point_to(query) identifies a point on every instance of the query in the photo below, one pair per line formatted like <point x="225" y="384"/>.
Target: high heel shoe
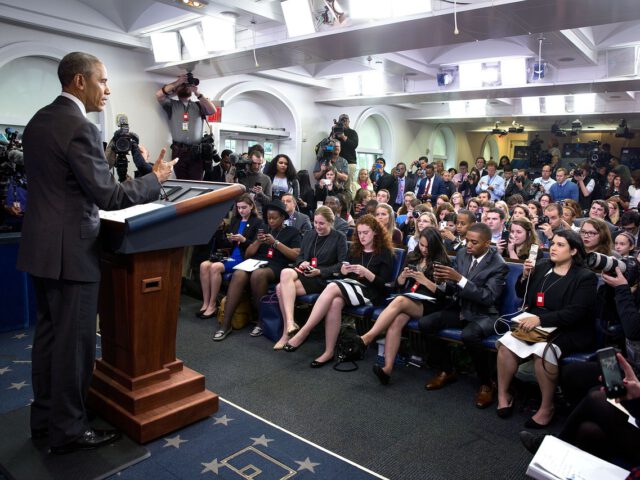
<point x="533" y="425"/>
<point x="381" y="374"/>
<point x="210" y="315"/>
<point x="200" y="312"/>
<point x="293" y="330"/>
<point x="505" y="412"/>
<point x="317" y="364"/>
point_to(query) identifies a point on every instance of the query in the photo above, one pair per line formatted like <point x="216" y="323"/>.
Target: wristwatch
<point x="276" y="243"/>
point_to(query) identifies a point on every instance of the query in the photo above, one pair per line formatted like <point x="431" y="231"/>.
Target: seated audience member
<point x="339" y="223"/>
<point x="386" y="218"/>
<point x="568" y="214"/>
<point x="426" y="219"/>
<point x="468" y="186"/>
<point x="284" y="178"/>
<point x="371" y="207"/>
<point x="619" y="190"/>
<point x="360" y="201"/>
<point x="477" y="279"/>
<point x="596" y="237"/>
<point x="492" y="183"/>
<point x="296" y="219"/>
<point x="564" y="187"/>
<point x="406" y="223"/>
<point x="442" y="199"/>
<point x="485" y="199"/>
<point x="495" y="219"/>
<point x="443" y="209"/>
<point x="575" y="206"/>
<point x="278" y="246"/>
<point x="321" y="255"/>
<point x="547" y="230"/>
<point x="362" y="182"/>
<point x="561" y="293"/>
<point x="458" y="240"/>
<point x="447" y="227"/>
<point x="515" y="199"/>
<point x="600" y="428"/>
<point x="502" y="205"/>
<point x="634" y="189"/>
<point x="306" y="200"/>
<point x="545" y="200"/>
<point x="522" y="236"/>
<point x="415" y="277"/>
<point x="459" y="177"/>
<point x="535" y="211"/>
<point x="382" y="196"/>
<point x="457" y="201"/>
<point x="240" y="234"/>
<point x="614" y="211"/>
<point x="630" y="223"/>
<point x="600" y="209"/>
<point x="327" y="185"/>
<point x="624" y="244"/>
<point x="344" y="200"/>
<point x="406" y="205"/>
<point x="474" y="205"/>
<point x="520" y="211"/>
<point x="368" y="268"/>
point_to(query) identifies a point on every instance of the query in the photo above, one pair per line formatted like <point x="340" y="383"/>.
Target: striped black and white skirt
<point x="353" y="292"/>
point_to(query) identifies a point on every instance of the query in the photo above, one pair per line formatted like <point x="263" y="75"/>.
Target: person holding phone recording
<point x="561" y="293"/>
<point x="365" y="272"/>
<point x="522" y="236"/>
<point x="277" y="244"/>
<point x="322" y="253"/>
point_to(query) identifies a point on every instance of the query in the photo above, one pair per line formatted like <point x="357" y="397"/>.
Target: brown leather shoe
<point x="484" y="395"/>
<point x="440" y="380"/>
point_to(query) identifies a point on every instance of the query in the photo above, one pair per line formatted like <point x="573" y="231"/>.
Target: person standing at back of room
<point x="69" y="180"/>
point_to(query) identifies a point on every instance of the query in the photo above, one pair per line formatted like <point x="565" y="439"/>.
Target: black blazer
<point x="69" y="180"/>
<point x="330" y="256"/>
<point x="485" y="283"/>
<point x="250" y="233"/>
<point x="570" y="307"/>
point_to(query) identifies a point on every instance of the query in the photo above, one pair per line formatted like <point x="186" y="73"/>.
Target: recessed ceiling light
<point x="566" y="59"/>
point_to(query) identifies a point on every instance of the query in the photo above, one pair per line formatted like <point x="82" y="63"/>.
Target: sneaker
<point x="221" y="335"/>
<point x="256" y="332"/>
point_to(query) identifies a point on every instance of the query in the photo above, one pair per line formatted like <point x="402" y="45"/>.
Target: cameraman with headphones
<point x="349" y="142"/>
<point x="185" y="123"/>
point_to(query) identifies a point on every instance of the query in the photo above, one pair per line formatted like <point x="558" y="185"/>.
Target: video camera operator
<point x="587" y="186"/>
<point x="348" y="138"/>
<point x="186" y="124"/>
<point x="126" y="142"/>
<point x="332" y="158"/>
<point x="13" y="182"/>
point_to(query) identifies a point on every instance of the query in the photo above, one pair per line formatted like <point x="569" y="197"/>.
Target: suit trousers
<point x="63" y="357"/>
<point x="474" y="330"/>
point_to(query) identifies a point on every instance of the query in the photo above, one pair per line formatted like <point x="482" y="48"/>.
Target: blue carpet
<point x="232" y="444"/>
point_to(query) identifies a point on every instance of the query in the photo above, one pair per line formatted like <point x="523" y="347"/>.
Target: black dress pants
<point x="474" y="331"/>
<point x="63" y="357"/>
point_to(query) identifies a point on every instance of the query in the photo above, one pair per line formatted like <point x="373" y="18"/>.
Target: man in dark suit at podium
<point x="69" y="180"/>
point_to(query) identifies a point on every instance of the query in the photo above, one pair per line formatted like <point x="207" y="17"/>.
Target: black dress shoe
<point x="533" y="425"/>
<point x="317" y="364"/>
<point x="530" y="441"/>
<point x="381" y="374"/>
<point x="89" y="440"/>
<point x="211" y="315"/>
<point x="289" y="348"/>
<point x="505" y="412"/>
<point x="39" y="433"/>
<point x="199" y="313"/>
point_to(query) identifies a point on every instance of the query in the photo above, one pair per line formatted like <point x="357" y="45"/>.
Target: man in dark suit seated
<point x="297" y="220"/>
<point x="476" y="282"/>
<point x="69" y="180"/>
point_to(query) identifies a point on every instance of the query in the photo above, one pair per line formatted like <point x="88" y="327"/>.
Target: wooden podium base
<point x="152" y="406"/>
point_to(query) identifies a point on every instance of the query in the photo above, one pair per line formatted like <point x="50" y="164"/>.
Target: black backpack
<point x="349" y="347"/>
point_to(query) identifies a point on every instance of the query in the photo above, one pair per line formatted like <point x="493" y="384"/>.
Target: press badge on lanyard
<point x="270" y="252"/>
<point x="415" y="287"/>
<point x="540" y="299"/>
<point x="185" y="122"/>
<point x="314" y="262"/>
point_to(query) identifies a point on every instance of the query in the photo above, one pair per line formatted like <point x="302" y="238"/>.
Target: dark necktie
<point x="426" y="189"/>
<point x="473" y="265"/>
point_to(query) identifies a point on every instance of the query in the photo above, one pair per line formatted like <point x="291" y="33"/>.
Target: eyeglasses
<point x="588" y="234"/>
<point x="629" y="228"/>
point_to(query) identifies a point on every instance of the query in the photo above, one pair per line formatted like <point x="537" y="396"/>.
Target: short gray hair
<point x="74" y="63"/>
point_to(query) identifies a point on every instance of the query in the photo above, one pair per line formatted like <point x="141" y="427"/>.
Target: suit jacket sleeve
<point x="487" y="293"/>
<point x="91" y="170"/>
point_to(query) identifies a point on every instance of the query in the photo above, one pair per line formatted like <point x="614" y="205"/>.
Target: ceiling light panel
<point x="555" y="105"/>
<point x="370" y="9"/>
<point x="193" y="41"/>
<point x="402" y="8"/>
<point x="218" y="34"/>
<point x="513" y="71"/>
<point x="530" y="105"/>
<point x="298" y="17"/>
<point x="584" y="103"/>
<point x="166" y="47"/>
<point x="470" y="76"/>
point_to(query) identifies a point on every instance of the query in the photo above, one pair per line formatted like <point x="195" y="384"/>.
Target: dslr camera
<point x="191" y="80"/>
<point x="521" y="179"/>
<point x="543" y="219"/>
<point x="415" y="214"/>
<point x="627" y="265"/>
<point x="337" y="129"/>
<point x="241" y="165"/>
<point x="206" y="148"/>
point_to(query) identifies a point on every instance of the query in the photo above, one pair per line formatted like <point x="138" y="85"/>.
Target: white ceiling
<point x="576" y="36"/>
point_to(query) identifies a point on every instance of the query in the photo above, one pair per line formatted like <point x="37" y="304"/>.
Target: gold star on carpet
<point x="174" y="442"/>
<point x="212" y="466"/>
<point x="307" y="465"/>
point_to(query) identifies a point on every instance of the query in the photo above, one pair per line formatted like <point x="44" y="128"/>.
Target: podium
<point x="139" y="385"/>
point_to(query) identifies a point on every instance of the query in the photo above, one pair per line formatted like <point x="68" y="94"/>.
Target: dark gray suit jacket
<point x="69" y="179"/>
<point x="485" y="283"/>
<point x="301" y="222"/>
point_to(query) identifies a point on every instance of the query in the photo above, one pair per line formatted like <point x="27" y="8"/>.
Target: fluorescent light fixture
<point x="410" y="7"/>
<point x="370" y="9"/>
<point x="458" y="108"/>
<point x="477" y="107"/>
<point x="513" y="71"/>
<point x="490" y="74"/>
<point x="530" y="105"/>
<point x="298" y="17"/>
<point x="193" y="41"/>
<point x="555" y="105"/>
<point x="351" y="84"/>
<point x="584" y="103"/>
<point x="373" y="83"/>
<point x="218" y="34"/>
<point x="166" y="47"/>
<point x="470" y="76"/>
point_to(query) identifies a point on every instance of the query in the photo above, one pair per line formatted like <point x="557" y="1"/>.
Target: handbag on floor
<point x="241" y="316"/>
<point x="349" y="348"/>
<point x="270" y="317"/>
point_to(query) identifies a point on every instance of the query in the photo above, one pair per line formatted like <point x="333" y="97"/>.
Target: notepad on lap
<point x="250" y="265"/>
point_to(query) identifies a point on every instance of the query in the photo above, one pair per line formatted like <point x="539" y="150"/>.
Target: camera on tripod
<point x="123" y="142"/>
<point x="627" y="265"/>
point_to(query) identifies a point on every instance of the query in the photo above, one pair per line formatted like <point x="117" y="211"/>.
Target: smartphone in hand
<point x="612" y="374"/>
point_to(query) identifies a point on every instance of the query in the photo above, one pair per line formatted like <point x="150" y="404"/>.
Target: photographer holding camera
<point x="185" y="123"/>
<point x="348" y="138"/>
<point x="332" y="158"/>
